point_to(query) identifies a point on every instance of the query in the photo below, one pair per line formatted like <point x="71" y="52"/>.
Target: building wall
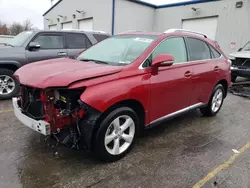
<point x="233" y="23"/>
<point x="100" y="10"/>
<point x="133" y="16"/>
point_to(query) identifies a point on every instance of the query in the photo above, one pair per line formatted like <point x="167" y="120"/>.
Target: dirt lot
<point x="179" y="153"/>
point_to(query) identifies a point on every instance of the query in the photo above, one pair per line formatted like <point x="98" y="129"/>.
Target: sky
<point x="20" y="10"/>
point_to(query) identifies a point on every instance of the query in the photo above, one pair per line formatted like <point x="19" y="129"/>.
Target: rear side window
<point x="77" y="41"/>
<point x="100" y="37"/>
<point x="50" y="41"/>
<point x="215" y="53"/>
<point x="198" y="50"/>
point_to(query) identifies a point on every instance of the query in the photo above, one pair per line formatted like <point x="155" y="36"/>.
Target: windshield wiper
<point x="96" y="61"/>
<point x="6" y="44"/>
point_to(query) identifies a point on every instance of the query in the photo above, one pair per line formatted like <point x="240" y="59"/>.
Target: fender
<point x="10" y="62"/>
<point x="103" y="96"/>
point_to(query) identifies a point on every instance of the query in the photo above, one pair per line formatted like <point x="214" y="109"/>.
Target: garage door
<point x="85" y="24"/>
<point x="53" y="27"/>
<point x="207" y="26"/>
<point x="67" y="25"/>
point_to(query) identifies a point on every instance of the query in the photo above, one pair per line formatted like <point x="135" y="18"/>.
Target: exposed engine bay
<point x="63" y="109"/>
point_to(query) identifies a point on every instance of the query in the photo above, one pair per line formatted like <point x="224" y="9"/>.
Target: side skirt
<point x="174" y="114"/>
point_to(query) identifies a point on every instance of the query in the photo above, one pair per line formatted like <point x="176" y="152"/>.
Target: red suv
<point x="102" y="99"/>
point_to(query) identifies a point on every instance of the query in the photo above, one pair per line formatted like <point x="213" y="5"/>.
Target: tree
<point x="17" y="28"/>
<point x="3" y="29"/>
<point x="27" y="25"/>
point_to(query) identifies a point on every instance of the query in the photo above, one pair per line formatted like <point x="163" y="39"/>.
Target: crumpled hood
<point x="240" y="54"/>
<point x="61" y="72"/>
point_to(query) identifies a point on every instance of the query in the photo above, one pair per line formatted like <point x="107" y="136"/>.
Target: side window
<point x="100" y="37"/>
<point x="77" y="41"/>
<point x="174" y="46"/>
<point x="198" y="49"/>
<point x="214" y="52"/>
<point x="50" y="41"/>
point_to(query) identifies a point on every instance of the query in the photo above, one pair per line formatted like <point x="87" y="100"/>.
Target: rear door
<point x="206" y="67"/>
<point x="75" y="43"/>
<point x="52" y="46"/>
<point x="171" y="88"/>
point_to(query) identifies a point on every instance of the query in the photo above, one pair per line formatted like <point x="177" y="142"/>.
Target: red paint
<point x="160" y="90"/>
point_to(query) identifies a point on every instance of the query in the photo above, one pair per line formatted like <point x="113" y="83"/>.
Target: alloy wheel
<point x="217" y="100"/>
<point x="7" y="85"/>
<point x="119" y="135"/>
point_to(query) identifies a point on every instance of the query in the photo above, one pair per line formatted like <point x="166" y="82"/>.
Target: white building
<point x="227" y="21"/>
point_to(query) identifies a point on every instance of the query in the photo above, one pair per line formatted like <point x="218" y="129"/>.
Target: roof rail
<point x="184" y="31"/>
<point x="85" y="30"/>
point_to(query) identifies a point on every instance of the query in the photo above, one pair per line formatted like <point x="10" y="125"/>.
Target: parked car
<point x="102" y="99"/>
<point x="31" y="46"/>
<point x="241" y="62"/>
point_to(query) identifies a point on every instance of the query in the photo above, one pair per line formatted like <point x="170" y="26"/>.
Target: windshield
<point x="20" y="38"/>
<point x="246" y="47"/>
<point x="117" y="50"/>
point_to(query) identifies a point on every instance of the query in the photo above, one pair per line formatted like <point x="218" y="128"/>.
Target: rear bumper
<point x="236" y="71"/>
<point x="40" y="126"/>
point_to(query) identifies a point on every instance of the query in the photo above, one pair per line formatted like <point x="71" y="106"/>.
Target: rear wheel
<point x="116" y="134"/>
<point x="215" y="102"/>
<point x="9" y="86"/>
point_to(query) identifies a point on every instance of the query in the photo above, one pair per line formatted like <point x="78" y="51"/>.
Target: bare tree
<point x="17" y="28"/>
<point x="27" y="25"/>
<point x="3" y="29"/>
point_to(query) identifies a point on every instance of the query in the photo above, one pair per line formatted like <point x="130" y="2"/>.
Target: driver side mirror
<point x="240" y="49"/>
<point x="34" y="46"/>
<point x="163" y="60"/>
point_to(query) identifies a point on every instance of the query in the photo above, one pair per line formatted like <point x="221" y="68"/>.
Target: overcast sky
<point x="19" y="10"/>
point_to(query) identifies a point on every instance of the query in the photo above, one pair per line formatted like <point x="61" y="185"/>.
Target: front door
<point x="171" y="87"/>
<point x="52" y="46"/>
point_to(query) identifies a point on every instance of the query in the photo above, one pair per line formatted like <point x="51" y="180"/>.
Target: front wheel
<point x="215" y="102"/>
<point x="116" y="134"/>
<point x="9" y="86"/>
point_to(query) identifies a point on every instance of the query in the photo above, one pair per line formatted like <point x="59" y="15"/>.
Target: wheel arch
<point x="134" y="104"/>
<point x="12" y="65"/>
<point x="224" y="83"/>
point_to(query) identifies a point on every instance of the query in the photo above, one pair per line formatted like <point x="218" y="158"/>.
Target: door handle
<point x="188" y="74"/>
<point x="61" y="53"/>
<point x="216" y="68"/>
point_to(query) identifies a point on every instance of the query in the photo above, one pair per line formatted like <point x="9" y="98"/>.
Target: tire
<point x="103" y="148"/>
<point x="210" y="109"/>
<point x="12" y="84"/>
<point x="233" y="78"/>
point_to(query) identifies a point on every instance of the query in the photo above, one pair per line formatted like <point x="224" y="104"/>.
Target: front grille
<point x="242" y="62"/>
<point x="31" y="104"/>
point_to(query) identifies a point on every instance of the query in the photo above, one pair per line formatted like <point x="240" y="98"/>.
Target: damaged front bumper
<point x="40" y="126"/>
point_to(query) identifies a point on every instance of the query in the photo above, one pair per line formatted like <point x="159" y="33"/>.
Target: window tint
<point x="198" y="50"/>
<point x="215" y="53"/>
<point x="50" y="41"/>
<point x="77" y="41"/>
<point x="174" y="46"/>
<point x="100" y="37"/>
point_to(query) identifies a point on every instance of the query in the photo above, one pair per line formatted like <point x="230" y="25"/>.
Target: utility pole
<point x="51" y="2"/>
